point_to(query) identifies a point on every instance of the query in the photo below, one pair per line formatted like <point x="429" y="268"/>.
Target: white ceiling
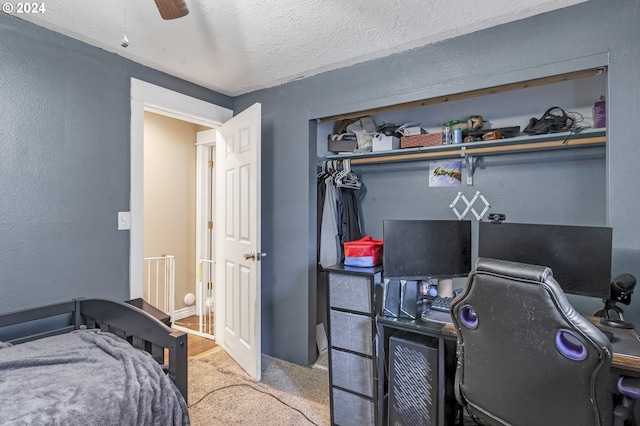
<point x="237" y="46"/>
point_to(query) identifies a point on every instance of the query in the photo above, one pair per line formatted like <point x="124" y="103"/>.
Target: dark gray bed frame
<point x="139" y="328"/>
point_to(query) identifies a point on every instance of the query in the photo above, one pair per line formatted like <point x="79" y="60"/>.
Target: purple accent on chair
<point x="632" y="391"/>
<point x="571" y="348"/>
<point x="468" y="317"/>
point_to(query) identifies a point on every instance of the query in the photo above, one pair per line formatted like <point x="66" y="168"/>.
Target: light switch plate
<point x="124" y="221"/>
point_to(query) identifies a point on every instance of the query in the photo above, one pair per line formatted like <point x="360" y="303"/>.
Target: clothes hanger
<point x="323" y="170"/>
<point x="347" y="178"/>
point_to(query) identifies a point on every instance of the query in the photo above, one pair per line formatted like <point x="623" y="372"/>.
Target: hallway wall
<point x="170" y="197"/>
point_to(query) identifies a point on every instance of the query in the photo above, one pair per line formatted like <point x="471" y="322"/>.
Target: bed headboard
<point x="140" y="329"/>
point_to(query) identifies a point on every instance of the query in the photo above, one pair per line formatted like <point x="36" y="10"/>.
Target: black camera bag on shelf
<point x="549" y="123"/>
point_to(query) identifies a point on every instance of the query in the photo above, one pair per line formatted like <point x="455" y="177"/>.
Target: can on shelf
<point x="457" y="135"/>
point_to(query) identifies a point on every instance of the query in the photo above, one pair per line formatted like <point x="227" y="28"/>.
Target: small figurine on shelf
<point x="475" y="122"/>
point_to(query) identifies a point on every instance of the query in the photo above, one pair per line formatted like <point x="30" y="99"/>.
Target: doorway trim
<point x="149" y="97"/>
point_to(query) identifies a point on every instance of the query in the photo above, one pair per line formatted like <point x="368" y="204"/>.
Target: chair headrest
<point x="522" y="270"/>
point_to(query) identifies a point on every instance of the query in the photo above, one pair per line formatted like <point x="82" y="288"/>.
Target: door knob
<point x="254" y="256"/>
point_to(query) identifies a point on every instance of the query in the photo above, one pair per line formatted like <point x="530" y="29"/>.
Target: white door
<point x="237" y="238"/>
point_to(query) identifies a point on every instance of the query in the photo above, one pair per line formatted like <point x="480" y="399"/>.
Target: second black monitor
<point x="579" y="256"/>
<point x="419" y="249"/>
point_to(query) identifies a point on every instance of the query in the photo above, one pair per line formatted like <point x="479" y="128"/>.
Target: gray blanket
<point x="85" y="378"/>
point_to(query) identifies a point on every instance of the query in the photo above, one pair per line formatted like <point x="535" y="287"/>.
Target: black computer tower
<point x="413" y="380"/>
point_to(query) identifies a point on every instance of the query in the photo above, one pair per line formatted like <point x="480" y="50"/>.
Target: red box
<point x="365" y="252"/>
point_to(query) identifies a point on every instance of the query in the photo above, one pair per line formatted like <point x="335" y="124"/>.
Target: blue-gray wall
<point x="65" y="165"/>
<point x="600" y="189"/>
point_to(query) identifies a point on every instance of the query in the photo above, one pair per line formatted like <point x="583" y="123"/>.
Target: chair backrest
<point x="525" y="356"/>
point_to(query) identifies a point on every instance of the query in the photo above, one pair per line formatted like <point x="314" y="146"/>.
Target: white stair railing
<point x="206" y="305"/>
<point x="160" y="283"/>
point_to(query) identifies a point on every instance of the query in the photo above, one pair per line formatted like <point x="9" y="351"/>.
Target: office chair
<point x="525" y="356"/>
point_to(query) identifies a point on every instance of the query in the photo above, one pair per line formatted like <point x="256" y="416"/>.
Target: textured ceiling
<point x="237" y="46"/>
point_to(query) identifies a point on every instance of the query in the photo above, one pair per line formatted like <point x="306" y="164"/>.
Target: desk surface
<point x="625" y="343"/>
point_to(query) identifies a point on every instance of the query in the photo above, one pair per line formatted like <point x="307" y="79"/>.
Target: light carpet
<point x="221" y="393"/>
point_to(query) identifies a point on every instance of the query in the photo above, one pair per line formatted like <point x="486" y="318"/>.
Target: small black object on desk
<point x="621" y="290"/>
<point x="441" y="303"/>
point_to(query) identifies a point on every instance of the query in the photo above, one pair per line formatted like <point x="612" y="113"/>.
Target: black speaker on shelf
<point x="413" y="380"/>
<point x="409" y="292"/>
<point x="391" y="298"/>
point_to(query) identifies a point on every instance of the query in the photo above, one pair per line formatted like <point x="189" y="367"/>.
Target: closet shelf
<point x="467" y="151"/>
<point x="564" y="140"/>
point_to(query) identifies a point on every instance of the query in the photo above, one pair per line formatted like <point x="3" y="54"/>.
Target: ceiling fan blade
<point x="172" y="9"/>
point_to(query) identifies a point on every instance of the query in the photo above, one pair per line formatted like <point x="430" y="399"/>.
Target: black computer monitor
<point x="579" y="256"/>
<point x="419" y="249"/>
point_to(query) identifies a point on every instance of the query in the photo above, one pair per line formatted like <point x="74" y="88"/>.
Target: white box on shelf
<point x="385" y="143"/>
